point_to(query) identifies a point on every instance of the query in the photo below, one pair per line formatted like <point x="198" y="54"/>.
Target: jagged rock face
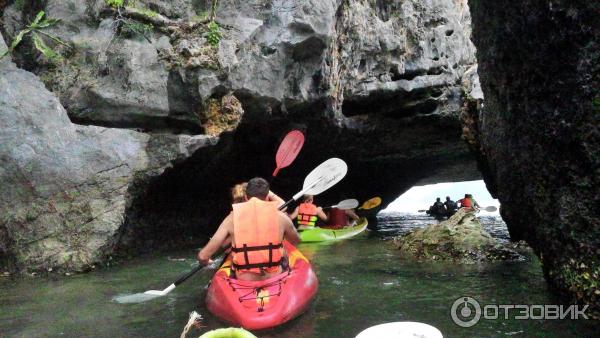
<point x="378" y="84"/>
<point x="65" y="186"/>
<point x="538" y="136"/>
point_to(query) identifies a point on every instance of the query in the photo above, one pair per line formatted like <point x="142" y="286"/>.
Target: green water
<point x="363" y="282"/>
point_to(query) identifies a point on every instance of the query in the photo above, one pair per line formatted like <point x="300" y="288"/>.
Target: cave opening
<point x="420" y="197"/>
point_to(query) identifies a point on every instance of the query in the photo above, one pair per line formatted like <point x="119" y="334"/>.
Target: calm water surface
<point x="363" y="282"/>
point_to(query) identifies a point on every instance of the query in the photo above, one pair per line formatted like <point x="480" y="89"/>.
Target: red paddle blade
<point x="288" y="150"/>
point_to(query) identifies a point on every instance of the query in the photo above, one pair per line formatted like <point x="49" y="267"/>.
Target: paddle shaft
<point x="182" y="278"/>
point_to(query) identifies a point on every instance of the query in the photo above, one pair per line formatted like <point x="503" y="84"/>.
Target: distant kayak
<point x="256" y="305"/>
<point x="323" y="234"/>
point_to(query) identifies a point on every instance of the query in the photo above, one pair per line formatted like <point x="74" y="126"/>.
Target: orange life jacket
<point x="257" y="243"/>
<point x="337" y="218"/>
<point x="307" y="214"/>
<point x="466" y="203"/>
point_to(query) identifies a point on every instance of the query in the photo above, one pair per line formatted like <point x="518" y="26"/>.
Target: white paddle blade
<point x="347" y="204"/>
<point x="323" y="177"/>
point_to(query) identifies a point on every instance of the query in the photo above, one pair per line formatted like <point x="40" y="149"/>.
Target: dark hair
<point x="447" y="197"/>
<point x="257" y="187"/>
<point x="466" y="195"/>
<point x="306" y="198"/>
<point x="438" y="199"/>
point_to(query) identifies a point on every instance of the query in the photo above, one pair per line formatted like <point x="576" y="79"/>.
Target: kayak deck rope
<point x="254" y="291"/>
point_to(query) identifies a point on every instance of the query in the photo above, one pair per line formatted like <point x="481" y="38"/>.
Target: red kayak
<point x="256" y="305"/>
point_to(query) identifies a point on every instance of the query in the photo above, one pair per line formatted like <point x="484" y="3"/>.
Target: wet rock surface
<point x="538" y="135"/>
<point x="461" y="238"/>
<point x="65" y="186"/>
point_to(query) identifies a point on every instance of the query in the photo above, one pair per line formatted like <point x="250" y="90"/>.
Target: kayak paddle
<point x="288" y="150"/>
<point x="151" y="294"/>
<point x="345" y="205"/>
<point x="323" y="177"/>
<point x="370" y="204"/>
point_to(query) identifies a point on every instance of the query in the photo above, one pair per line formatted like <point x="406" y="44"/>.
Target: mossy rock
<point x="460" y="238"/>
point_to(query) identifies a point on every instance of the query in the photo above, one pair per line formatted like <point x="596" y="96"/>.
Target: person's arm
<point x="294" y="214"/>
<point x="218" y="239"/>
<point x="476" y="204"/>
<point x="289" y="232"/>
<point x="352" y="215"/>
<point x="274" y="198"/>
<point x="322" y="214"/>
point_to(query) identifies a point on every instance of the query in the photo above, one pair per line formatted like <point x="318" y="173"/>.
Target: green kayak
<point x="231" y="332"/>
<point x="322" y="234"/>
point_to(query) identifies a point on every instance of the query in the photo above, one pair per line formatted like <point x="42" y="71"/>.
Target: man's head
<point x="447" y="198"/>
<point x="257" y="187"/>
<point x="466" y="195"/>
<point x="438" y="199"/>
<point x="307" y="198"/>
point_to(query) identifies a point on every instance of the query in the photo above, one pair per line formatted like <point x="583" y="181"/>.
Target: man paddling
<point x="257" y="229"/>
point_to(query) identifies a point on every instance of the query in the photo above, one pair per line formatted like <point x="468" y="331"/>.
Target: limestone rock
<point x="460" y="238"/>
<point x="65" y="187"/>
<point x="539" y="133"/>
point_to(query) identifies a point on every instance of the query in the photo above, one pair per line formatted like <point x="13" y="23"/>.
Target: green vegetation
<point x="214" y="35"/>
<point x="35" y="30"/>
<point x="149" y="13"/>
<point x="134" y="28"/>
<point x="115" y="3"/>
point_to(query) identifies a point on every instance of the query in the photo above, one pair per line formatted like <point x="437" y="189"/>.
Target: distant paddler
<point x="307" y="213"/>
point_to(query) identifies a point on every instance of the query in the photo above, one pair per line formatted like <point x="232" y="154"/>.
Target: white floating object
<point x="401" y="330"/>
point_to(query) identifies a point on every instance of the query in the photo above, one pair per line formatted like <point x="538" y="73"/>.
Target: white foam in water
<point x="135" y="298"/>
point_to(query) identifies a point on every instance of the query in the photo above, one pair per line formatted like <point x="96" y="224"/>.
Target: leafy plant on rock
<point x="36" y="31"/>
<point x="115" y="3"/>
<point x="213" y="36"/>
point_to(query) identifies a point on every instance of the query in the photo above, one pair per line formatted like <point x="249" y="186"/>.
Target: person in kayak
<point x="238" y="195"/>
<point x="338" y="218"/>
<point x="256" y="229"/>
<point x="451" y="206"/>
<point x="307" y="213"/>
<point x="437" y="209"/>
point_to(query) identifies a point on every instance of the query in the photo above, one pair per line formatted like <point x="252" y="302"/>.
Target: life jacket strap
<point x="245" y="249"/>
<point x="256" y="265"/>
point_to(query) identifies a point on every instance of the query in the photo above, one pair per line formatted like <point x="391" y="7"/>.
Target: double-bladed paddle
<point x="288" y="150"/>
<point x="370" y="204"/>
<point x="323" y="177"/>
<point x="345" y="205"/>
<point x="320" y="179"/>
